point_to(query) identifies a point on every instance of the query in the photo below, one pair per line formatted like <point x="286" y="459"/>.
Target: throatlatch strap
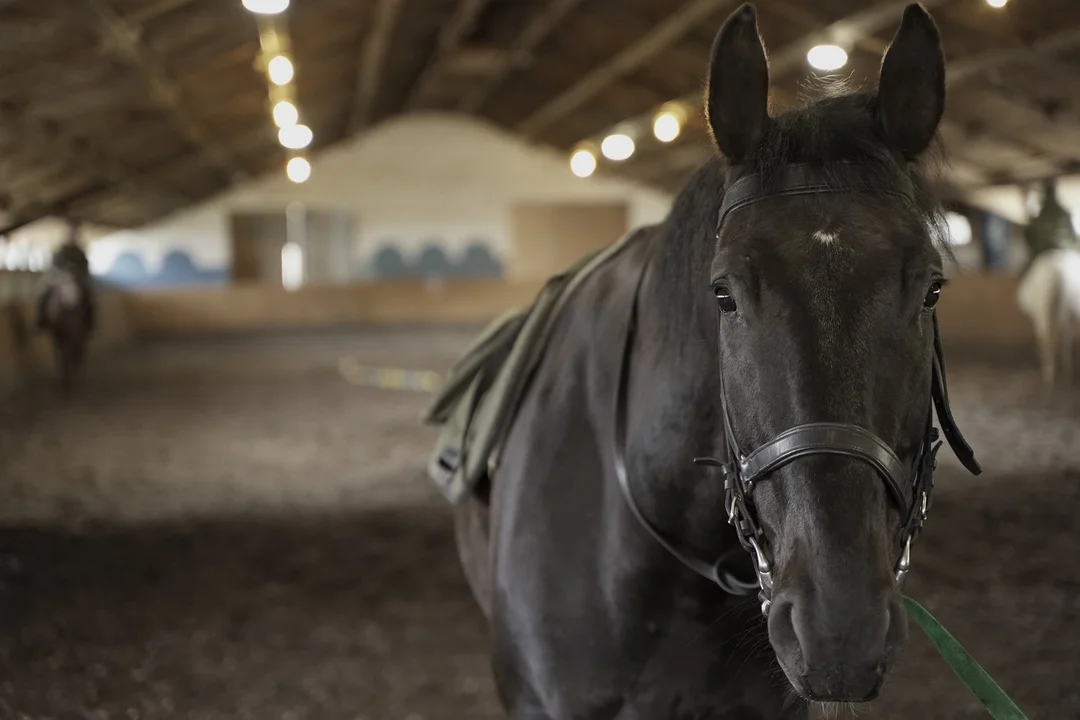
<point x="981" y="685"/>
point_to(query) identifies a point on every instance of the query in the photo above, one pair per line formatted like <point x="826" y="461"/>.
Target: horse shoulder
<point x="549" y="504"/>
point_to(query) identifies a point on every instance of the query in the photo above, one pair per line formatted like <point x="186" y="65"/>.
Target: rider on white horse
<point x="1049" y="291"/>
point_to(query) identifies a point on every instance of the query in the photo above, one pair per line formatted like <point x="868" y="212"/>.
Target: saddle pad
<point x="484" y="388"/>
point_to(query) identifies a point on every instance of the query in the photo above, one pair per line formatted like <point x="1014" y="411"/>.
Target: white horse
<point x="1049" y="294"/>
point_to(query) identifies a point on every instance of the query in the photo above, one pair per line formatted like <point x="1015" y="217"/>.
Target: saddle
<point x="484" y="388"/>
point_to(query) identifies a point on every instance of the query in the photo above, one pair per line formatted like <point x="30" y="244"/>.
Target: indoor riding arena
<point x="244" y="242"/>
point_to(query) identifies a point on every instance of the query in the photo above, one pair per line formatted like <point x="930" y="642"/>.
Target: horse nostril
<point x="784" y="634"/>
<point x="896" y="635"/>
<point x="837" y="648"/>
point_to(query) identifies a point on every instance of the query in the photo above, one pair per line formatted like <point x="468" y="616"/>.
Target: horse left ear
<point x="911" y="87"/>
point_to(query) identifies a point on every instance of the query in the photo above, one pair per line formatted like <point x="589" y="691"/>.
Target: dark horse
<point x="65" y="315"/>
<point x="784" y="307"/>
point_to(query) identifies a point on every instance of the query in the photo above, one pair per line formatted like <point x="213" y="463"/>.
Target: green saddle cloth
<point x="481" y="393"/>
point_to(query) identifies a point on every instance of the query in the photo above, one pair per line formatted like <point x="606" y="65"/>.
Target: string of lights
<point x="275" y="60"/>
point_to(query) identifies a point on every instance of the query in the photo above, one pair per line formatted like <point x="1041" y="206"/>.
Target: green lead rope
<point x="981" y="685"/>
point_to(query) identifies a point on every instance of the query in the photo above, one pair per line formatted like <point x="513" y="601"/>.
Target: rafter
<point x="44" y="138"/>
<point x="373" y="54"/>
<point x="972" y="66"/>
<point x="855" y="28"/>
<point x="677" y="25"/>
<point x="40" y="210"/>
<point x="125" y="39"/>
<point x="538" y="30"/>
<point x="450" y="40"/>
<point x="156" y="9"/>
<point x="858" y="30"/>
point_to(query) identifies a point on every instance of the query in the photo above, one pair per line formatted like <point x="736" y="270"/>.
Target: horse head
<point x="826" y="274"/>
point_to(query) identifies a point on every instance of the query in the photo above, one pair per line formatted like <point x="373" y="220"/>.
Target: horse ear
<point x="737" y="98"/>
<point x="911" y="87"/>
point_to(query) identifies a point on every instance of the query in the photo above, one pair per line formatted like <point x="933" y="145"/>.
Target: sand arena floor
<point x="227" y="529"/>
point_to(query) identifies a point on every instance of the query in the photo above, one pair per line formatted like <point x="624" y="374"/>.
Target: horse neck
<point x="676" y="385"/>
<point x="677" y="313"/>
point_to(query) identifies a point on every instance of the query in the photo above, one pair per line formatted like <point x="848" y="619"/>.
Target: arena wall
<point x="977" y="308"/>
<point x="427" y="194"/>
<point x="978" y="314"/>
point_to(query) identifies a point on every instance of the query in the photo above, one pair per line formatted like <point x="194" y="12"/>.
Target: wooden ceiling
<point x="119" y="111"/>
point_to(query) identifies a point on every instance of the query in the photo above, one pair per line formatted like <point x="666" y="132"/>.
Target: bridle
<point x="909" y="486"/>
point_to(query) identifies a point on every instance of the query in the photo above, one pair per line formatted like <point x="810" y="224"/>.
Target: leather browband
<point x="791" y="180"/>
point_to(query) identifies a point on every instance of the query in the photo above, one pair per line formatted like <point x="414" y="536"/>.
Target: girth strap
<point x="830" y="439"/>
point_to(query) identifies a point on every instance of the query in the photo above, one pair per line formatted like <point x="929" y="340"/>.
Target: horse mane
<point x="840" y="126"/>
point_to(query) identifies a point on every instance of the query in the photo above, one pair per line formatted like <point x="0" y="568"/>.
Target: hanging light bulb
<point x="285" y="114"/>
<point x="997" y="3"/>
<point x="298" y="169"/>
<point x="666" y="126"/>
<point x="827" y="57"/>
<point x="266" y="7"/>
<point x="583" y="163"/>
<point x="295" y="137"/>
<point x="280" y="70"/>
<point x="617" y="147"/>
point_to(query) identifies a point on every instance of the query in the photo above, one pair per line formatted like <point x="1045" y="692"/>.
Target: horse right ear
<point x="737" y="99"/>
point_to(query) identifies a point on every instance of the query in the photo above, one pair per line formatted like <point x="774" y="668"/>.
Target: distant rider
<point x="71" y="257"/>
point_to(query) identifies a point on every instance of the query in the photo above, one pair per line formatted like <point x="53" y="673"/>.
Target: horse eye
<point x="932" y="295"/>
<point x="725" y="301"/>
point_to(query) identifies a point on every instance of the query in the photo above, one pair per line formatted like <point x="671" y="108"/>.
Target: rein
<point x="910" y="486"/>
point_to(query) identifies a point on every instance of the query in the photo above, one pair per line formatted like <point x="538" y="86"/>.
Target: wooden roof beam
<point x="125" y="39"/>
<point x="155" y="10"/>
<point x="972" y="66"/>
<point x="856" y="28"/>
<point x="450" y="40"/>
<point x="30" y="214"/>
<point x="373" y="54"/>
<point x="678" y="24"/>
<point x="538" y="30"/>
<point x="44" y="138"/>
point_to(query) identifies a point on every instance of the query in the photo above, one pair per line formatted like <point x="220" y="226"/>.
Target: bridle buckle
<point x="904" y="563"/>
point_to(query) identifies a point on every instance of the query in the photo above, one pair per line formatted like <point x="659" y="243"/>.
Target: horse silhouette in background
<point x="1049" y="294"/>
<point x="66" y="312"/>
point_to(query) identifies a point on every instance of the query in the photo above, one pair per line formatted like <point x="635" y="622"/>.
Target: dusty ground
<point x="229" y="530"/>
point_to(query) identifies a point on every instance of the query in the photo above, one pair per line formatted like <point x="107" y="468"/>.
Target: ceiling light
<point x="285" y="114"/>
<point x="959" y="228"/>
<point x="617" y="147"/>
<point x="827" y="57"/>
<point x="298" y="169"/>
<point x="295" y="137"/>
<point x="583" y="163"/>
<point x="666" y="126"/>
<point x="996" y="3"/>
<point x="266" y="7"/>
<point x="280" y="70"/>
